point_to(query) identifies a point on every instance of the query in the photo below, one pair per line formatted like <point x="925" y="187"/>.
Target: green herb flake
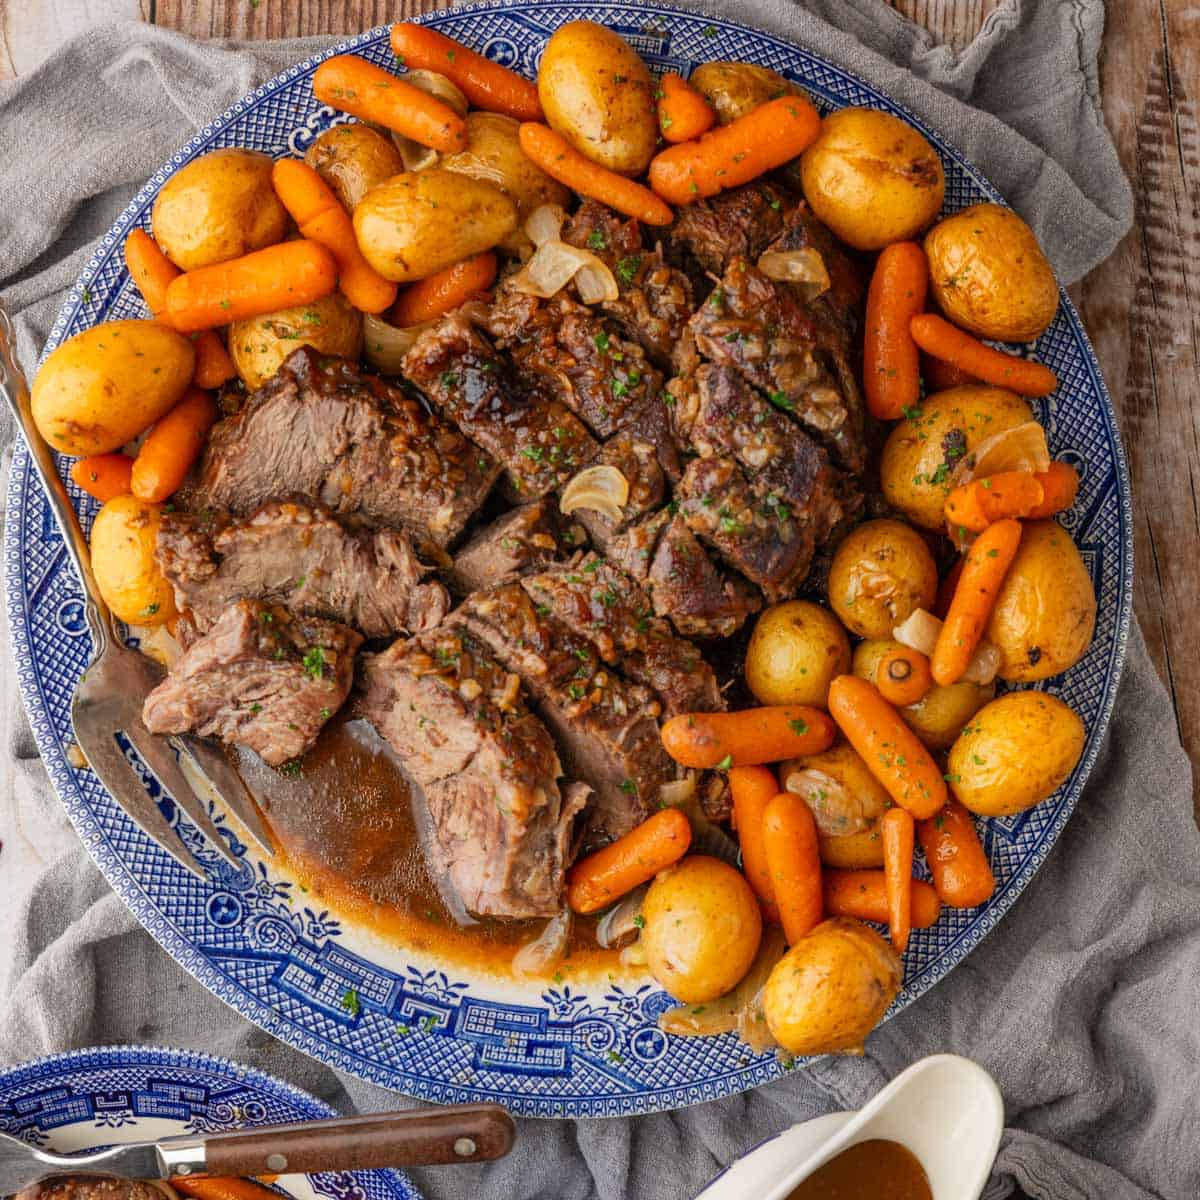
<point x="725" y="763"/>
<point x="314" y="662"/>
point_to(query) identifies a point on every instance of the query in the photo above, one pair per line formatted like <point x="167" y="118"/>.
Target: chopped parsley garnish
<point x="640" y="921"/>
<point x="596" y="240"/>
<point x="798" y="726"/>
<point x="255" y="709"/>
<point x="781" y="400"/>
<point x="314" y="662"/>
<point x="628" y="268"/>
<point x="725" y="763"/>
<point x="628" y="787"/>
<point x="601" y="340"/>
<point x="290" y="769"/>
<point x="350" y="1002"/>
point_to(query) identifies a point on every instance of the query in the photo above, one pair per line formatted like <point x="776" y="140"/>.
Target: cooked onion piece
<point x="602" y="489"/>
<point x="417" y="157"/>
<point x="804" y="267"/>
<point x="920" y="632"/>
<point x="556" y="263"/>
<point x="385" y="345"/>
<point x="622" y="920"/>
<point x="1021" y="448"/>
<point x="544" y="954"/>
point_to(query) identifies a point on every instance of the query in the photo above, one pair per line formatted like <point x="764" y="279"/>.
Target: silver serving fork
<point x="108" y="698"/>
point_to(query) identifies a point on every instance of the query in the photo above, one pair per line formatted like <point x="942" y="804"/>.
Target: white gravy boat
<point x="947" y="1110"/>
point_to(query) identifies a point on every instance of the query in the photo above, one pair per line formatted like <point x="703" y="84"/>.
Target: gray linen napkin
<point x="1082" y="1004"/>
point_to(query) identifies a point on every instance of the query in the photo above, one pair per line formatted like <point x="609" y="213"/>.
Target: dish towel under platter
<point x="1083" y="1003"/>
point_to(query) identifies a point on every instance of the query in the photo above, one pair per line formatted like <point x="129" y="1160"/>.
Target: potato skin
<point x="412" y="225"/>
<point x="598" y="94"/>
<point x="702" y="930"/>
<point x="989" y="275"/>
<point x="259" y="345"/>
<point x="795" y="651"/>
<point x="922" y="451"/>
<point x="882" y="572"/>
<point x="1017" y="751"/>
<point x="831" y="988"/>
<point x="217" y="207"/>
<point x="124" y="534"/>
<point x="734" y="89"/>
<point x="104" y="386"/>
<point x="352" y="159"/>
<point x="872" y="178"/>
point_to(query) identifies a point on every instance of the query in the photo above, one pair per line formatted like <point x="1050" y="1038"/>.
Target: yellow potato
<point x="123" y="539"/>
<point x="831" y="988"/>
<point x="703" y="926"/>
<point x="882" y="572"/>
<point x="734" y="89"/>
<point x="217" y="207"/>
<point x="413" y="225"/>
<point x="106" y="385"/>
<point x="795" y="651"/>
<point x="352" y="159"/>
<point x="989" y="275"/>
<point x="1017" y="751"/>
<point x="872" y="178"/>
<point x="1045" y="614"/>
<point x="924" y="450"/>
<point x="259" y="345"/>
<point x="598" y="94"/>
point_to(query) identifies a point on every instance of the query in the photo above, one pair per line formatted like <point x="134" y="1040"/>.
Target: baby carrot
<point x="321" y="218"/>
<point x="444" y="291"/>
<point x="892" y="752"/>
<point x="1060" y="486"/>
<point x="983" y="572"/>
<point x="560" y="160"/>
<point x="764" y="138"/>
<point x="863" y="894"/>
<point x="213" y="364"/>
<point x="107" y="475"/>
<point x="903" y="676"/>
<point x="596" y="881"/>
<point x="961" y="872"/>
<point x="280" y="276"/>
<point x="370" y="93"/>
<point x="217" y="1187"/>
<point x="683" y="114"/>
<point x="943" y="340"/>
<point x="940" y="375"/>
<point x="891" y="365"/>
<point x="790" y="841"/>
<point x="980" y="503"/>
<point x="747" y="738"/>
<point x="172" y="446"/>
<point x="897" y="829"/>
<point x="752" y="789"/>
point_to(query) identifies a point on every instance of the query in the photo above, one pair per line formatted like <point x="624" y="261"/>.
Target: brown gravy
<point x="874" y="1170"/>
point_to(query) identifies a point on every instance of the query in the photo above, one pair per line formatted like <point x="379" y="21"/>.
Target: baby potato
<point x="795" y="651"/>
<point x="923" y="450"/>
<point x="1045" y="614"/>
<point x="831" y="988"/>
<point x="598" y="94"/>
<point x="217" y="207"/>
<point x="352" y="159"/>
<point x="259" y="345"/>
<point x="703" y="926"/>
<point x="104" y="386"/>
<point x="734" y="89"/>
<point x="124" y="535"/>
<point x="882" y="572"/>
<point x="1017" y="751"/>
<point x="872" y="178"/>
<point x="940" y="715"/>
<point x="412" y="225"/>
<point x="989" y="275"/>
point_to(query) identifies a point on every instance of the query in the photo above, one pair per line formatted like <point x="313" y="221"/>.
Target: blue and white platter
<point x="581" y="1046"/>
<point x="90" y="1099"/>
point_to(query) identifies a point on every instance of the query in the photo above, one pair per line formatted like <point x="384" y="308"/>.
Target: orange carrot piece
<point x="683" y="113"/>
<point x="444" y="291"/>
<point x="280" y="276"/>
<point x="218" y="1187"/>
<point x="560" y="160"/>
<point x="172" y="446"/>
<point x="903" y="676"/>
<point x="947" y="588"/>
<point x="941" y="339"/>
<point x="892" y="752"/>
<point x="762" y="139"/>
<point x="982" y="502"/>
<point x="983" y="572"/>
<point x="961" y="872"/>
<point x="213" y="364"/>
<point x="485" y="84"/>
<point x="863" y="894"/>
<point x="790" y="841"/>
<point x="891" y="364"/>
<point x="104" y="476"/>
<point x="370" y="93"/>
<point x="898" y="831"/>
<point x="752" y="789"/>
<point x="1060" y="486"/>
<point x="596" y="881"/>
<point x="940" y="375"/>
<point x="747" y="738"/>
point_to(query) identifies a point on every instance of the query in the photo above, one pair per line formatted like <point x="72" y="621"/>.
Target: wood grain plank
<point x="283" y="18"/>
<point x="30" y="30"/>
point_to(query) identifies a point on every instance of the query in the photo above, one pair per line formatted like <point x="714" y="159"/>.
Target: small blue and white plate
<point x="583" y="1047"/>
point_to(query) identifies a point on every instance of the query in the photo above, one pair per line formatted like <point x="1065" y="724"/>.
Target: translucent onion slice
<point x="920" y="633"/>
<point x="595" y="283"/>
<point x="156" y="642"/>
<point x="707" y="838"/>
<point x="804" y="267"/>
<point x="622" y="919"/>
<point x="984" y="664"/>
<point x="385" y="345"/>
<point x="634" y="955"/>
<point x="602" y="489"/>
<point x="1022" y="448"/>
<point x="543" y="955"/>
<point x="554" y="264"/>
<point x="752" y="1027"/>
<point x="836" y="810"/>
<point x="545" y="224"/>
